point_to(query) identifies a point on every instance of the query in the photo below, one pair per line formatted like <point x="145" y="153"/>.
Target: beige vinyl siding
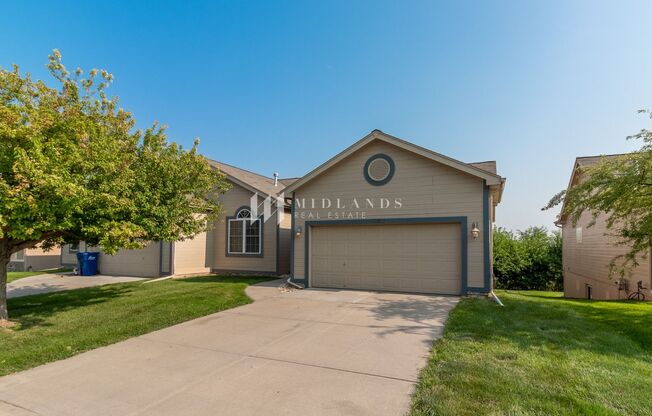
<point x="190" y="256"/>
<point x="144" y="262"/>
<point x="426" y="189"/>
<point x="233" y="199"/>
<point x="38" y="259"/>
<point x="587" y="262"/>
<point x="69" y="258"/>
<point x="285" y="234"/>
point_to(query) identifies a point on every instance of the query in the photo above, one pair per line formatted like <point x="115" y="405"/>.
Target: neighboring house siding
<point x="143" y="262"/>
<point x="587" y="262"/>
<point x="426" y="188"/>
<point x="69" y="258"/>
<point x="37" y="259"/>
<point x="233" y="199"/>
<point x="190" y="256"/>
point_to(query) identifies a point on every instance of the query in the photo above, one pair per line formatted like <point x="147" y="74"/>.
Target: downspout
<point x="292" y="242"/>
<point x="493" y="295"/>
<point x="291" y="283"/>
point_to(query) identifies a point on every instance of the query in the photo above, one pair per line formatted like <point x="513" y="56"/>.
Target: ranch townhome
<point x="237" y="243"/>
<point x="236" y="208"/>
<point x="384" y="214"/>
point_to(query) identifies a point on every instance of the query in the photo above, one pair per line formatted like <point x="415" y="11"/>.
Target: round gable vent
<point x="379" y="169"/>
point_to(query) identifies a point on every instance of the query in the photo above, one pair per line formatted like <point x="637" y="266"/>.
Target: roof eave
<point x="492" y="179"/>
<point x="243" y="184"/>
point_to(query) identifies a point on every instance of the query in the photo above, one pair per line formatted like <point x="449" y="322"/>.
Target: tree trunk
<point x="7" y="248"/>
<point x="5" y="255"/>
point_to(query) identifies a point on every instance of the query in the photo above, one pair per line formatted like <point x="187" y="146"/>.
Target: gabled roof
<point x="288" y="181"/>
<point x="489" y="166"/>
<point x="582" y="162"/>
<point x="481" y="170"/>
<point x="585" y="161"/>
<point x="250" y="180"/>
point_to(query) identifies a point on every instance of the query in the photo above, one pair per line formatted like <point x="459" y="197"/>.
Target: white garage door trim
<point x="461" y="220"/>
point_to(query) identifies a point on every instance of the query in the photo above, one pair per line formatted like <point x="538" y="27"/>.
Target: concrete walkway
<point x="310" y="352"/>
<point x="46" y="283"/>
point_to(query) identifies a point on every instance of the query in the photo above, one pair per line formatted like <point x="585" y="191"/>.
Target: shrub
<point x="529" y="259"/>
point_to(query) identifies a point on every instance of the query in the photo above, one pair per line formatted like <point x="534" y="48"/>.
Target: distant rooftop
<point x="592" y="160"/>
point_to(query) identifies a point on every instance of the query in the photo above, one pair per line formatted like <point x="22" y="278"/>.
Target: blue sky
<point x="283" y="86"/>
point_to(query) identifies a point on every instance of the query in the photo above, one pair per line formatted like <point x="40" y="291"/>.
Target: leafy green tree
<point x="74" y="167"/>
<point x="618" y="190"/>
<point x="529" y="259"/>
<point x="510" y="258"/>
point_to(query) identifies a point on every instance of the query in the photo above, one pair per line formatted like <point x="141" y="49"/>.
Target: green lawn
<point x="58" y="325"/>
<point x="11" y="276"/>
<point x="540" y="355"/>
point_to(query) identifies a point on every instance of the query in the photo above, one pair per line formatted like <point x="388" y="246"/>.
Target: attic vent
<point x="379" y="169"/>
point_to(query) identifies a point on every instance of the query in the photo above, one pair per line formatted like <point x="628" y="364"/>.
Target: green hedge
<point x="529" y="259"/>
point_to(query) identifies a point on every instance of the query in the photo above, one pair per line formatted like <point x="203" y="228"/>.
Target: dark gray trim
<point x="462" y="220"/>
<point x="487" y="229"/>
<point x="262" y="234"/>
<point x="292" y="237"/>
<point x="278" y="239"/>
<point x="245" y="272"/>
<point x="172" y="246"/>
<point x="392" y="169"/>
<point x="165" y="245"/>
<point x="160" y="258"/>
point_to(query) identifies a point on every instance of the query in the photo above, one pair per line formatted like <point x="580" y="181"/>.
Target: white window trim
<point x="14" y="257"/>
<point x="244" y="236"/>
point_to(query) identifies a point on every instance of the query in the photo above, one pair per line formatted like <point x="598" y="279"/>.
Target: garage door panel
<point x="441" y="286"/>
<point x="402" y="257"/>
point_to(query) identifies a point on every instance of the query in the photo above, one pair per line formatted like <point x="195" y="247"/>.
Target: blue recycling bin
<point x="87" y="263"/>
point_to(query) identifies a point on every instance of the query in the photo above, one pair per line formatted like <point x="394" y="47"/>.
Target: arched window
<point x="244" y="233"/>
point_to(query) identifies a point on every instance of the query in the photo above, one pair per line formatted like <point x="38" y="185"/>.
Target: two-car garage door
<point x="397" y="257"/>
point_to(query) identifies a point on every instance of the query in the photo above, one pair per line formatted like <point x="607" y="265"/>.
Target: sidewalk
<point x="47" y="283"/>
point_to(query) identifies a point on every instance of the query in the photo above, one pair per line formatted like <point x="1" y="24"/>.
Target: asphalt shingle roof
<point x="259" y="182"/>
<point x="488" y="166"/>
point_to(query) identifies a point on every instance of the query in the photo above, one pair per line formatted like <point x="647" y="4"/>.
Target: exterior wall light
<point x="299" y="231"/>
<point x="475" y="231"/>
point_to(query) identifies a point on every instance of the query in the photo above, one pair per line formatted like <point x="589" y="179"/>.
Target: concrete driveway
<point x="47" y="283"/>
<point x="310" y="352"/>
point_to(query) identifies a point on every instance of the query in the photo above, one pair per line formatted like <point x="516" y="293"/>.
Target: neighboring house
<point x="31" y="259"/>
<point x="156" y="259"/>
<point x="235" y="244"/>
<point x="386" y="214"/>
<point x="587" y="252"/>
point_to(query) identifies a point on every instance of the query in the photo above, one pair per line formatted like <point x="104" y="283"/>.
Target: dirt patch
<point x="8" y="324"/>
